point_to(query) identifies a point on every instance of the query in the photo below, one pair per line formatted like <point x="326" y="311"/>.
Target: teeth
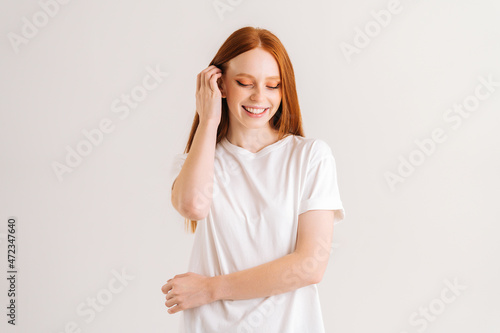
<point x="255" y="111"/>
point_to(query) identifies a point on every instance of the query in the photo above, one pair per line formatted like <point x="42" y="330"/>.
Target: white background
<point x="394" y="250"/>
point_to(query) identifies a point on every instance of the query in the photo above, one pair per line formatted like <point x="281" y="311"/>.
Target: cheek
<point x="277" y="99"/>
<point x="235" y="95"/>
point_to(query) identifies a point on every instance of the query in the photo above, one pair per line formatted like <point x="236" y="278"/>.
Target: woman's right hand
<point x="208" y="95"/>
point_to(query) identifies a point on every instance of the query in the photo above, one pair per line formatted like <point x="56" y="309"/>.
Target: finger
<point x="166" y="287"/>
<point x="208" y="77"/>
<point x="198" y="82"/>
<point x="174" y="309"/>
<point x="169" y="296"/>
<point x="199" y="78"/>
<point x="213" y="81"/>
<point x="171" y="302"/>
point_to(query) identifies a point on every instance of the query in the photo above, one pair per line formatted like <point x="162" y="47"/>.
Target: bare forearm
<point x="275" y="277"/>
<point x="193" y="186"/>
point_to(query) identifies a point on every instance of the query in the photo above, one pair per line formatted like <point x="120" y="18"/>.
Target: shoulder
<point x="312" y="149"/>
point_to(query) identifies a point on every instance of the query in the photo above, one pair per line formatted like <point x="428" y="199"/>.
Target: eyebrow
<point x="248" y="75"/>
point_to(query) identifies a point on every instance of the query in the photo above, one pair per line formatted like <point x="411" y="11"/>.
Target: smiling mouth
<point x="254" y="110"/>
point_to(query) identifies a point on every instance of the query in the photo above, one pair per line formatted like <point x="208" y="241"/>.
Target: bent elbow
<point x="196" y="214"/>
<point x="189" y="208"/>
<point x="316" y="275"/>
<point x="315" y="278"/>
<point x="192" y="211"/>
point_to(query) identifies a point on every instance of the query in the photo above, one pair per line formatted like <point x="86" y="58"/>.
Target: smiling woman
<point x="266" y="198"/>
<point x="248" y="95"/>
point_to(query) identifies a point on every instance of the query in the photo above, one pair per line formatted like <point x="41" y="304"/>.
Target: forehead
<point x="257" y="63"/>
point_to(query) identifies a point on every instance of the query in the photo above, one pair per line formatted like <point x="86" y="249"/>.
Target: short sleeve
<point x="176" y="167"/>
<point x="320" y="188"/>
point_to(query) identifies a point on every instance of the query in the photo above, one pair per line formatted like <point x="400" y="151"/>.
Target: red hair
<point x="287" y="119"/>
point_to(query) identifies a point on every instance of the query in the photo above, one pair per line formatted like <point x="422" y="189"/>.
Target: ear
<point x="222" y="88"/>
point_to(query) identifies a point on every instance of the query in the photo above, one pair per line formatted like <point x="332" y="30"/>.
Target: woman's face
<point x="251" y="86"/>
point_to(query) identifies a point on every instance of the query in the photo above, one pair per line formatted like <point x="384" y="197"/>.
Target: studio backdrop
<point x="98" y="97"/>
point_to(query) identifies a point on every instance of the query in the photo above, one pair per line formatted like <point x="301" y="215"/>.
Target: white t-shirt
<point x="257" y="199"/>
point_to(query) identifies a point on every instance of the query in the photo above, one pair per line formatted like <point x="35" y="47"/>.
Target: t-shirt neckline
<point x="246" y="153"/>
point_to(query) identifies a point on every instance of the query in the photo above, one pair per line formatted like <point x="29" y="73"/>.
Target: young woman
<point x="266" y="198"/>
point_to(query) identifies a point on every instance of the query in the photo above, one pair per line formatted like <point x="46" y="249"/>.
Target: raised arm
<point x="192" y="189"/>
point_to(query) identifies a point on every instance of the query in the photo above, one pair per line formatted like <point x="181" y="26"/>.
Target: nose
<point x="257" y="94"/>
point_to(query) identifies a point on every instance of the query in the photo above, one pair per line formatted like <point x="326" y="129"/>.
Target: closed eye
<point x="246" y="85"/>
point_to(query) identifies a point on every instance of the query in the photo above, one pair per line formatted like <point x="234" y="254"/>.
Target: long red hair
<point x="287" y="119"/>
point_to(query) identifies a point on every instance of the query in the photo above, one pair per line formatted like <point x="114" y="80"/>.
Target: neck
<point x="253" y="140"/>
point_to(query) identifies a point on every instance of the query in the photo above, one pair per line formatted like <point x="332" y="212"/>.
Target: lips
<point x="254" y="109"/>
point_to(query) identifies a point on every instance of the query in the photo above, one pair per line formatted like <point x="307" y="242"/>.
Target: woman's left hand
<point x="188" y="290"/>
